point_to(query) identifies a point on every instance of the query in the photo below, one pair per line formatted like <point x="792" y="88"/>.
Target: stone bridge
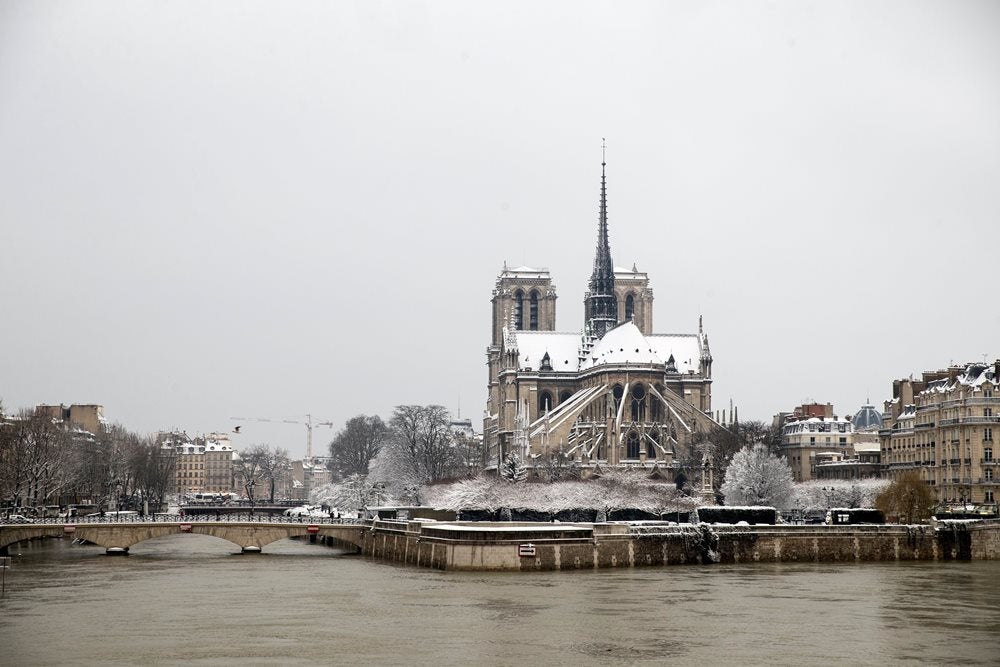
<point x="117" y="537"/>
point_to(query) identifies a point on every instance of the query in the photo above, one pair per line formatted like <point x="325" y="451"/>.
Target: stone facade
<point x="500" y="547"/>
<point x="202" y="464"/>
<point x="820" y="445"/>
<point x="613" y="393"/>
<point x="89" y="417"/>
<point x="944" y="426"/>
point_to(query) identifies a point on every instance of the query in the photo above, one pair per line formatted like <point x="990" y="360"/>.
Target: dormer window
<point x="546" y="363"/>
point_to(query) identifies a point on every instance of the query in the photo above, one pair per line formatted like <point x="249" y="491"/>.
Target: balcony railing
<point x="981" y="419"/>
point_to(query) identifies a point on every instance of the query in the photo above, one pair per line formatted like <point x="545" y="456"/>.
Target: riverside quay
<point x="547" y="546"/>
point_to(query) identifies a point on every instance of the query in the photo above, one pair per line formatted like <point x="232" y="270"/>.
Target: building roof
<point x="524" y="272"/>
<point x="867" y="418"/>
<point x="563" y="349"/>
<point x="624" y="344"/>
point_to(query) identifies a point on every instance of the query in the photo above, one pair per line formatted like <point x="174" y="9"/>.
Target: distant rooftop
<point x="867" y="418"/>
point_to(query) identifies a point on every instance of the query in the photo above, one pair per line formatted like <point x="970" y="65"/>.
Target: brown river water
<point x="194" y="600"/>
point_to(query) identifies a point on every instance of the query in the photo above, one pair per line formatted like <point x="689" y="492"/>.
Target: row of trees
<point x="43" y="463"/>
<point x="259" y="470"/>
<point x="417" y="446"/>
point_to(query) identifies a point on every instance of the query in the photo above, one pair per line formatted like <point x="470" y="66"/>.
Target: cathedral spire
<point x="600" y="303"/>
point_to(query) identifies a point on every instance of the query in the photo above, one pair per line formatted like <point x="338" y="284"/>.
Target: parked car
<point x="18" y="518"/>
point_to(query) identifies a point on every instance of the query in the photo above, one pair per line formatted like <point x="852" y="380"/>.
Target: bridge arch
<point x="121" y="536"/>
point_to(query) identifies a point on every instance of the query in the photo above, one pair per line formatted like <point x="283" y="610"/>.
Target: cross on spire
<point x="601" y="305"/>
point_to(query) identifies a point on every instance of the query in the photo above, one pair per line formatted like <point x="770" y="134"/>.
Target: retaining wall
<point x="498" y="546"/>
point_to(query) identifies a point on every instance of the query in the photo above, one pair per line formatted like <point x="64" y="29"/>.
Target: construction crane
<point x="308" y="423"/>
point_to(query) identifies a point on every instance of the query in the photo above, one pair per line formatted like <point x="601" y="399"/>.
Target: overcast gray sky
<point x="218" y="209"/>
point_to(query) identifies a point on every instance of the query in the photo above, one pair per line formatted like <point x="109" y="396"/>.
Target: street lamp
<point x="249" y="487"/>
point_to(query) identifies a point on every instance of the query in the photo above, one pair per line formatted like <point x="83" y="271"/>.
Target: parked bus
<point x="206" y="499"/>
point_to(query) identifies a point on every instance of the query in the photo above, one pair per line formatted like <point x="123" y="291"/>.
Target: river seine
<point x="190" y="599"/>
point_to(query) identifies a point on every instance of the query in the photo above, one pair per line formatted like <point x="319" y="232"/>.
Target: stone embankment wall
<point x="497" y="546"/>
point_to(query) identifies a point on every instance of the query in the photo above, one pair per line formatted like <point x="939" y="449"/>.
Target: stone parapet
<point x="532" y="547"/>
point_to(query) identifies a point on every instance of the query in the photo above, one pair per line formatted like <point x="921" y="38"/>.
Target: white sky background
<point x="211" y="210"/>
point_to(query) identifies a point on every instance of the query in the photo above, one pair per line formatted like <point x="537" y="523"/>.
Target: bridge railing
<point x="198" y="518"/>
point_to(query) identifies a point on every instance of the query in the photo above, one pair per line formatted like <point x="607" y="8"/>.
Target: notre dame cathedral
<point x="613" y="394"/>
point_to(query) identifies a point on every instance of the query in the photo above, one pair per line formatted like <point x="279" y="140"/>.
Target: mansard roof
<point x="974" y="376"/>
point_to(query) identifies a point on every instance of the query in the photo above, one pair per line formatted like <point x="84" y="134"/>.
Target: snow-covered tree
<point x="353" y="493"/>
<point x="822" y="494"/>
<point x="755" y="476"/>
<point x="557" y="465"/>
<point x="513" y="470"/>
<point x="614" y="490"/>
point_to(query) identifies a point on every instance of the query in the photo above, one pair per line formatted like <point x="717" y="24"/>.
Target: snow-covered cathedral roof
<point x="624" y="344"/>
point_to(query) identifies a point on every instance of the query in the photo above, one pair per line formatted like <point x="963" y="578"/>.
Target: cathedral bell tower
<point x="525" y="300"/>
<point x="600" y="303"/>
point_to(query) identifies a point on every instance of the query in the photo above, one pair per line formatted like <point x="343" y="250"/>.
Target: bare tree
<point x="153" y="470"/>
<point x="471" y="453"/>
<point x="274" y="468"/>
<point x="249" y="470"/>
<point x="557" y="465"/>
<point x="36" y="459"/>
<point x="421" y="443"/>
<point x="908" y="499"/>
<point x="354" y="446"/>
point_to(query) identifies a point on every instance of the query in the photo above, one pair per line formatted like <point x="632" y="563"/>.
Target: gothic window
<point x="564" y="396"/>
<point x="632" y="445"/>
<point x="656" y="405"/>
<point x="518" y="310"/>
<point x="650" y="447"/>
<point x="616" y="393"/>
<point x="544" y="402"/>
<point x="638" y="403"/>
<point x="629" y="307"/>
<point x="533" y="312"/>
